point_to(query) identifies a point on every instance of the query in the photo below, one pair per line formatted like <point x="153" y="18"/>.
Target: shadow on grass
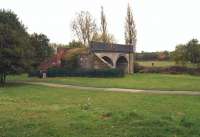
<point x="12" y="84"/>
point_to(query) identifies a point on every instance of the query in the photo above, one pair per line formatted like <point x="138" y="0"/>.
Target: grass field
<point x="137" y="81"/>
<point x="39" y="111"/>
<point x="162" y="64"/>
<point x="157" y="63"/>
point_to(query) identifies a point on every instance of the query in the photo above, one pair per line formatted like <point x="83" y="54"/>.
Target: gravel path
<point x="190" y="93"/>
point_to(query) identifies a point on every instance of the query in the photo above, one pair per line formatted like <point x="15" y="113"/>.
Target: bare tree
<point x="109" y="38"/>
<point x="103" y="35"/>
<point x="103" y="26"/>
<point x="130" y="30"/>
<point x="84" y="27"/>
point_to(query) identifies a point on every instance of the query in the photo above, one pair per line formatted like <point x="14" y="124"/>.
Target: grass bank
<point x="39" y="111"/>
<point x="136" y="81"/>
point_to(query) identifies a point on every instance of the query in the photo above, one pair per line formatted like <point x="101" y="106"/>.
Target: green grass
<point x="39" y="111"/>
<point x="137" y="81"/>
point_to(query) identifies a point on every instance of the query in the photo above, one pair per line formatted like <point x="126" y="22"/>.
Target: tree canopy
<point x="15" y="49"/>
<point x="84" y="27"/>
<point x="75" y="44"/>
<point x="189" y="52"/>
<point x="41" y="48"/>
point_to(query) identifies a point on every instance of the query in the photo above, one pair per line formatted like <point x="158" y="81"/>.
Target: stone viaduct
<point x="114" y="55"/>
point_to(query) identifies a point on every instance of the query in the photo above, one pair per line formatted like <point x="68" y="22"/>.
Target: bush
<point x="151" y="70"/>
<point x="171" y="70"/>
<point x="137" y="67"/>
<point x="35" y="74"/>
<point x="60" y="72"/>
<point x="70" y="60"/>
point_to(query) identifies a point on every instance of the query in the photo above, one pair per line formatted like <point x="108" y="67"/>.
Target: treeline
<point x="19" y="50"/>
<point x="183" y="55"/>
<point x="188" y="53"/>
<point x="154" y="56"/>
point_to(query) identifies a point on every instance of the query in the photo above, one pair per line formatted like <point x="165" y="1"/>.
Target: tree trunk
<point x="2" y="79"/>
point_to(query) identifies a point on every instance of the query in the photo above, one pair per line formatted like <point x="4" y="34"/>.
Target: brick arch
<point x="122" y="63"/>
<point x="126" y="56"/>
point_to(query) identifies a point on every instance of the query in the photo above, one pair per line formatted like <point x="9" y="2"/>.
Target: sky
<point x="160" y="24"/>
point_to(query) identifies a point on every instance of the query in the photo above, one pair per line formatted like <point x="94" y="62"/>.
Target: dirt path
<point x="191" y="93"/>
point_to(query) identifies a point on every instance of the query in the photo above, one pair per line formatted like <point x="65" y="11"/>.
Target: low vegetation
<point x="155" y="63"/>
<point x="168" y="70"/>
<point x="70" y="60"/>
<point x="39" y="111"/>
<point x="62" y="72"/>
<point x="166" y="67"/>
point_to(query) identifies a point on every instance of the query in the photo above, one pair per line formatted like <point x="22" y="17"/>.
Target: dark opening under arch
<point x="108" y="60"/>
<point x="122" y="63"/>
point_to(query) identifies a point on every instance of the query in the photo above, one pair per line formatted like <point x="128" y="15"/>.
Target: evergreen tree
<point x="15" y="49"/>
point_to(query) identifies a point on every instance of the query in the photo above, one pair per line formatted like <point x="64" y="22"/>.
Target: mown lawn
<point x="39" y="111"/>
<point x="136" y="81"/>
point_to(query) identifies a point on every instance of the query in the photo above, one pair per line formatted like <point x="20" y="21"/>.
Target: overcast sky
<point x="161" y="24"/>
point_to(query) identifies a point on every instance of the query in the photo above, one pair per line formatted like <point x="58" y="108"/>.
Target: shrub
<point x="151" y="70"/>
<point x="70" y="60"/>
<point x="137" y="67"/>
<point x="35" y="74"/>
<point x="60" y="72"/>
<point x="177" y="70"/>
<point x="171" y="70"/>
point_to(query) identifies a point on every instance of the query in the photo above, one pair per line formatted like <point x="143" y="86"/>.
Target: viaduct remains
<point x="102" y="55"/>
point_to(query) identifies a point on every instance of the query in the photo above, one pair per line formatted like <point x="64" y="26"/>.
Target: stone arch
<point x="122" y="63"/>
<point x="108" y="60"/>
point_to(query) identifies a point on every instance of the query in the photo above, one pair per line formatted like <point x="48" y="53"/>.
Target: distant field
<point x="156" y="63"/>
<point x="136" y="81"/>
<point x="39" y="111"/>
<point x="162" y="64"/>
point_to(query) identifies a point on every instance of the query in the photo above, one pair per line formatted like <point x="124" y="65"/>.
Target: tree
<point x="98" y="38"/>
<point x="189" y="52"/>
<point x="103" y="35"/>
<point x="103" y="26"/>
<point x="193" y="51"/>
<point x="15" y="49"/>
<point x="70" y="61"/>
<point x="41" y="48"/>
<point x="165" y="55"/>
<point x="84" y="27"/>
<point x="130" y="30"/>
<point x="180" y="54"/>
<point x="75" y="44"/>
